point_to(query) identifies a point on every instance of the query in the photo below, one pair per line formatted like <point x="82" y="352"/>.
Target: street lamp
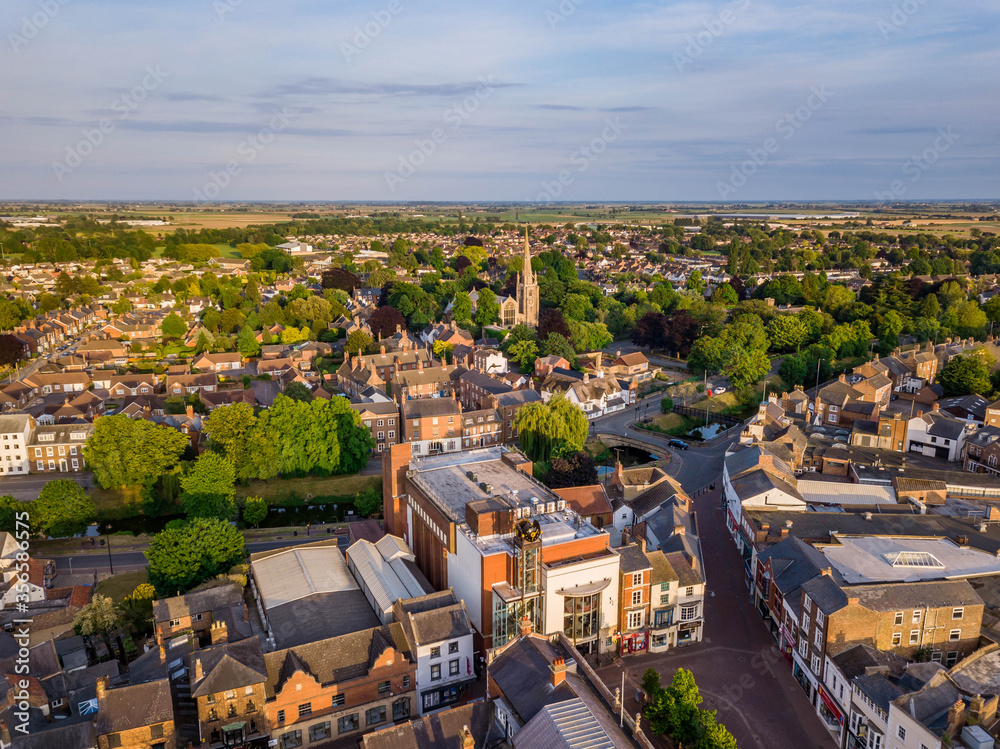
<point x="107" y="536"/>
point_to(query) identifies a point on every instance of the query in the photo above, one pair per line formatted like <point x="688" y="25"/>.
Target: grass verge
<point x="118" y="586"/>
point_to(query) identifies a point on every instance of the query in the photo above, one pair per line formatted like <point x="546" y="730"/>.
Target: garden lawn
<point x="117" y="587"/>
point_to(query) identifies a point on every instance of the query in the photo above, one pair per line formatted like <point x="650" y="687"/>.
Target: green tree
<point x="675" y="711"/>
<point x="207" y="489"/>
<point x="725" y="295"/>
<point x="9" y="507"/>
<point x="98" y="618"/>
<point x="357" y="342"/>
<point x="965" y="375"/>
<point x="62" y="509"/>
<point x="125" y="452"/>
<point x="182" y="557"/>
<point x="786" y="332"/>
<point x="254" y="511"/>
<point x="137" y="609"/>
<point x="233" y="430"/>
<point x="368" y="502"/>
<point x="695" y="283"/>
<point x="443" y="350"/>
<point x="247" y="342"/>
<point x="487" y="308"/>
<point x="461" y="307"/>
<point x="558" y="345"/>
<point x="524" y="353"/>
<point x="299" y="391"/>
<point x="542" y="426"/>
<point x="173" y="326"/>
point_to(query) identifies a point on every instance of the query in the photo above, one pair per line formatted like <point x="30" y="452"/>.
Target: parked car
<point x="679" y="444"/>
<point x="718" y="390"/>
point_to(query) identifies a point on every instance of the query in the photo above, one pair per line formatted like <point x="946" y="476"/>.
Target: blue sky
<point x="575" y="100"/>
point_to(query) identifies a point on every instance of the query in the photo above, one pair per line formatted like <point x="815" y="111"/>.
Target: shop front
<point x="827" y="709"/>
<point x="786" y="644"/>
<point x="438" y="697"/>
<point x="635" y="643"/>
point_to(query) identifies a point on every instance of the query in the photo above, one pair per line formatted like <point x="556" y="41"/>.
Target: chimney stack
<point x="558" y="669"/>
<point x="382" y="350"/>
<point x="467" y="741"/>
<point x="199" y="671"/>
<point x="189" y="411"/>
<point x="163" y="654"/>
<point x="525" y="626"/>
<point x="219" y="632"/>
<point x="842" y="378"/>
<point x="936" y="407"/>
<point x="102" y="687"/>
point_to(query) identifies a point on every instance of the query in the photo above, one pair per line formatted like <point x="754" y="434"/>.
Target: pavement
<point x="739" y="671"/>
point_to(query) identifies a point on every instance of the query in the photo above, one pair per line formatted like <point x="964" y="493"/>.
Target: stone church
<point x="523" y="308"/>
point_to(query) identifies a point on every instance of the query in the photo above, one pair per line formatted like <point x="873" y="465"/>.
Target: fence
<point x="698" y="413"/>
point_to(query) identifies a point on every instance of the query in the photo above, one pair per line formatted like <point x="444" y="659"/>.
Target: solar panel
<point x="914" y="559"/>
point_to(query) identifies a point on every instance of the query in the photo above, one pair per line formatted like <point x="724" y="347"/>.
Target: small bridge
<point x="617" y="440"/>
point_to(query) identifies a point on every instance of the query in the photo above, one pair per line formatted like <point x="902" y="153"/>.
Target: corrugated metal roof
<point x="834" y="493"/>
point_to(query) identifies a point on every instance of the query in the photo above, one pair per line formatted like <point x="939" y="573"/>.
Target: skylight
<point x="914" y="559"/>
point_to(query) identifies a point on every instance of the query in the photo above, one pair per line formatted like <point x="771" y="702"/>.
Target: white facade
<point x="918" y="440"/>
<point x="906" y="732"/>
<point x="576" y="578"/>
<point x="15" y="433"/>
<point x="442" y="666"/>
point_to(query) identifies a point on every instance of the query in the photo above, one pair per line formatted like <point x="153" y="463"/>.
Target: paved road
<point x="130" y="561"/>
<point x="738" y="669"/>
<point x="28" y="487"/>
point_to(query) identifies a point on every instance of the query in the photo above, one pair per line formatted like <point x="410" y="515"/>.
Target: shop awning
<point x="233" y="727"/>
<point x="585" y="590"/>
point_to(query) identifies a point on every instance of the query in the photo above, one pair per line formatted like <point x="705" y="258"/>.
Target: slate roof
<point x="333" y="660"/>
<point x="633" y="559"/>
<point x="134" y="706"/>
<point x="229" y="665"/>
<point x="197" y="602"/>
<point x="522" y="673"/>
<point x="441" y="730"/>
<point x="856" y="660"/>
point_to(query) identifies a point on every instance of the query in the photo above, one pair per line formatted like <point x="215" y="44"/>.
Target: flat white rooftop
<point x="873" y="559"/>
<point x="297" y="573"/>
<point x="835" y="493"/>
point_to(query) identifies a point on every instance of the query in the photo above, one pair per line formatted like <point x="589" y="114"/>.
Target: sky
<point x="522" y="100"/>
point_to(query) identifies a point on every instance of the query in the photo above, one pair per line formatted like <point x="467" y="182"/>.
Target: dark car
<point x="679" y="444"/>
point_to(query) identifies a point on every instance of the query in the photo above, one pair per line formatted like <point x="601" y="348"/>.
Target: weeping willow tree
<point x="542" y="426"/>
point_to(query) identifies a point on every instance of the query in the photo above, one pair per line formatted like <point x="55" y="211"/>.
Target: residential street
<point x="739" y="670"/>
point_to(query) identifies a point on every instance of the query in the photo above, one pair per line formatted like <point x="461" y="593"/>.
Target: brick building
<point x="58" y="448"/>
<point x="228" y="686"/>
<point x="432" y="425"/>
<point x="340" y="687"/>
<point x="137" y="716"/>
<point x="478" y="522"/>
<point x="383" y="422"/>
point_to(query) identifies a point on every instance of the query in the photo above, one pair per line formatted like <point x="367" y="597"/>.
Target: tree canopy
<point x="182" y="557"/>
<point x="126" y="452"/>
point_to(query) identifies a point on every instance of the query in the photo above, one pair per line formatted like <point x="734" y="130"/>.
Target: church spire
<point x="528" y="275"/>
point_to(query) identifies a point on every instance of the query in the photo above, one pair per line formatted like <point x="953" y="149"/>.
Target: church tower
<point x="527" y="290"/>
